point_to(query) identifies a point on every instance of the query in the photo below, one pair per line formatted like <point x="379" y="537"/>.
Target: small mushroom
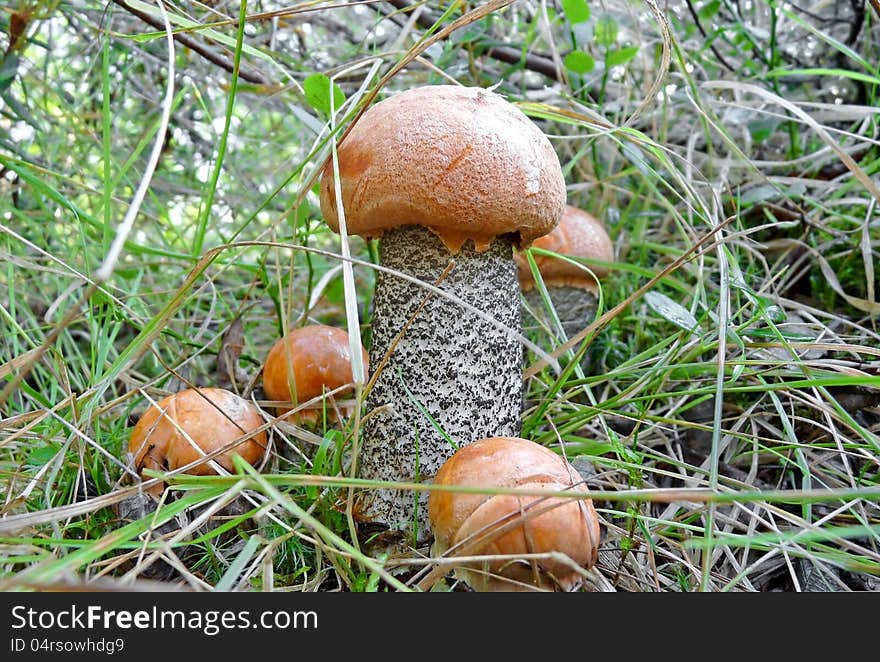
<point x="185" y="426"/>
<point x="572" y="290"/>
<point x="307" y="363"/>
<point x="451" y="178"/>
<point x="510" y="525"/>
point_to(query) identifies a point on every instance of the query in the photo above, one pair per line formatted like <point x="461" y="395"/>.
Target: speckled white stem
<point x="449" y="369"/>
<point x="575" y="307"/>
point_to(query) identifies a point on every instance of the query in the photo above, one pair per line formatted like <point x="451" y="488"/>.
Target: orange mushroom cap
<point x="556" y="524"/>
<point x="185" y="426"/>
<point x="306" y="363"/>
<point x="461" y="161"/>
<point x="579" y="234"/>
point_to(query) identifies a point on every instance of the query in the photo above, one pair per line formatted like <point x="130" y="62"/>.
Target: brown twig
<point x="696" y="17"/>
<point x="185" y="40"/>
<point x="507" y="54"/>
<point x="537" y="63"/>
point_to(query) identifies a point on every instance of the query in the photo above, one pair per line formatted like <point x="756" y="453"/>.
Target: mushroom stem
<point x="449" y="378"/>
<point x="575" y="307"/>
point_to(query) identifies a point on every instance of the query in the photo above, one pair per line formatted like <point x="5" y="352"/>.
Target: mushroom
<point x="451" y="178"/>
<point x="305" y="364"/>
<point x="185" y="426"/>
<point x="572" y="289"/>
<point x="510" y="525"/>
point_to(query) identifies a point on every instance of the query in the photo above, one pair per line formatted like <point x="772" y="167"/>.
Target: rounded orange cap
<point x="579" y="234"/>
<point x="307" y="362"/>
<point x="555" y="524"/>
<point x="461" y="161"/>
<point x="184" y="426"/>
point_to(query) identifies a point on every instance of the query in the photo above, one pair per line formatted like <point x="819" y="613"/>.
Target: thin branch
<point x="506" y="54"/>
<point x="185" y="40"/>
<point x="702" y="30"/>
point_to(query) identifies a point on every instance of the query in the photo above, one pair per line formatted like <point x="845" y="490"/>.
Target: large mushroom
<point x="572" y="289"/>
<point x="451" y="178"/>
<point x="529" y="542"/>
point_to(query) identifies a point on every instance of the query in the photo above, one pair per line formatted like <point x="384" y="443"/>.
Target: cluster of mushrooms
<point x="454" y="180"/>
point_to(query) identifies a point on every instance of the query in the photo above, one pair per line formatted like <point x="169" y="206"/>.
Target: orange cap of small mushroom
<point x="578" y="234"/>
<point x="557" y="524"/>
<point x="306" y="363"/>
<point x="187" y="425"/>
<point x="461" y="161"/>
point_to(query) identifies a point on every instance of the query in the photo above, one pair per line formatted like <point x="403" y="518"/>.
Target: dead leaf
<point x="231" y="346"/>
